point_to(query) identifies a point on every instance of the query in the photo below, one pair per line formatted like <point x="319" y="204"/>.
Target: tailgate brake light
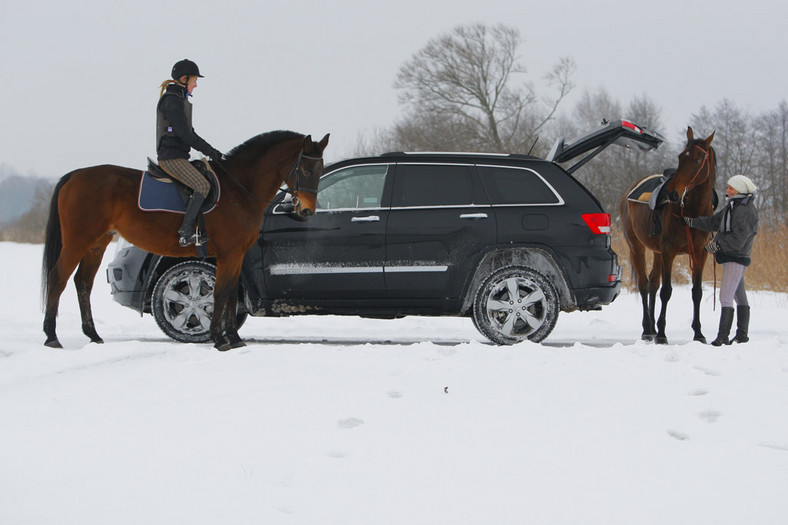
<point x="598" y="223"/>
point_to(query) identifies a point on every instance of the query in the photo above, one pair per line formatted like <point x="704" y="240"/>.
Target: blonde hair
<point x="169" y="81"/>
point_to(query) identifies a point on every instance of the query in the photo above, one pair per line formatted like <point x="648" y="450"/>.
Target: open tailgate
<point x="621" y="132"/>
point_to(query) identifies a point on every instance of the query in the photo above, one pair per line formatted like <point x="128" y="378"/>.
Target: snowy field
<point x="415" y="421"/>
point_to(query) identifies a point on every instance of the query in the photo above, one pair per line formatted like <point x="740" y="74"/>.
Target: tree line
<point x="469" y="90"/>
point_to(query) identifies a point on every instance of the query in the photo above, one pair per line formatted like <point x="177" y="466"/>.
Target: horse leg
<point x="664" y="295"/>
<point x="638" y="258"/>
<point x="83" y="280"/>
<point x="231" y="318"/>
<point x="227" y="272"/>
<point x="653" y="285"/>
<point x="697" y="295"/>
<point x="57" y="279"/>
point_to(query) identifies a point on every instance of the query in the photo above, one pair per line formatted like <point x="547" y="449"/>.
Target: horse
<point x="691" y="194"/>
<point x="90" y="204"/>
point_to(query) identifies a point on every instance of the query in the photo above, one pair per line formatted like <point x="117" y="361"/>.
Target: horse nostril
<point x="306" y="212"/>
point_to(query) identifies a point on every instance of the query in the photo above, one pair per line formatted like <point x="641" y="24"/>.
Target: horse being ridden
<point x="691" y="192"/>
<point x="90" y="204"/>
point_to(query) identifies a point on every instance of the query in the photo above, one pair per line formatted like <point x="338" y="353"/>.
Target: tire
<point x="182" y="302"/>
<point x="515" y="303"/>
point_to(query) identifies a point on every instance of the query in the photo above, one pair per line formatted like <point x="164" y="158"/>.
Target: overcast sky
<point x="80" y="78"/>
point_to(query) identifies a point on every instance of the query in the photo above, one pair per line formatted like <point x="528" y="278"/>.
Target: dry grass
<point x="768" y="270"/>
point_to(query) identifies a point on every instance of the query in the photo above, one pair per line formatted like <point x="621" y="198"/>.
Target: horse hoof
<point x="98" y="341"/>
<point x="53" y="343"/>
<point x="648" y="337"/>
<point x="223" y="345"/>
<point x="661" y="340"/>
<point x="700" y="339"/>
<point x="237" y="344"/>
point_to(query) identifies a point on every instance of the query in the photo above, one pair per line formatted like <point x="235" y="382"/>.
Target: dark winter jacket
<point x="175" y="135"/>
<point x="736" y="226"/>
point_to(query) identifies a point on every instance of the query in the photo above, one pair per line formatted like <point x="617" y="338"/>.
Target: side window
<point x="436" y="185"/>
<point x="353" y="187"/>
<point x="506" y="185"/>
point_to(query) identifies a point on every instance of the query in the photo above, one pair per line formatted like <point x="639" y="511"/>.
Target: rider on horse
<point x="175" y="137"/>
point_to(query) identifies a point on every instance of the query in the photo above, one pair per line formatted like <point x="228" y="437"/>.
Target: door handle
<point x="369" y="218"/>
<point x="473" y="216"/>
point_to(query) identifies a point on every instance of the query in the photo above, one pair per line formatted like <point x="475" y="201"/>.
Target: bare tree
<point x="612" y="171"/>
<point x="772" y="171"/>
<point x="462" y="85"/>
<point x="734" y="137"/>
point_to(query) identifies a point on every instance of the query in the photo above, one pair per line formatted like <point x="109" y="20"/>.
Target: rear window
<point x="507" y="185"/>
<point x="436" y="185"/>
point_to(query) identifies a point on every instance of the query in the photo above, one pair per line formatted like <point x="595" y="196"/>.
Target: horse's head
<point x="696" y="165"/>
<point x="304" y="178"/>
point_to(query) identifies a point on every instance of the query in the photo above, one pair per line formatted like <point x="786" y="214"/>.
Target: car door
<point x="339" y="252"/>
<point x="439" y="225"/>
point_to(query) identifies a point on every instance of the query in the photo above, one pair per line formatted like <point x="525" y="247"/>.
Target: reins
<point x="297" y="169"/>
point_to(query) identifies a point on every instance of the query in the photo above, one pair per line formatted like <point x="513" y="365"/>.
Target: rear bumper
<point x="595" y="298"/>
<point x="123" y="276"/>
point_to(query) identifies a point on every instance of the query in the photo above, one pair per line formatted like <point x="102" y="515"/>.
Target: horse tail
<point x="53" y="240"/>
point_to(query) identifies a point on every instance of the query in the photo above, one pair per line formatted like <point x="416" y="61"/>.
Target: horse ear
<point x="709" y="139"/>
<point x="324" y="142"/>
<point x="308" y="140"/>
<point x="690" y="134"/>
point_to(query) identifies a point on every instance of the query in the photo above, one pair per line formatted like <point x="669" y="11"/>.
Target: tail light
<point x="598" y="223"/>
<point x="628" y="124"/>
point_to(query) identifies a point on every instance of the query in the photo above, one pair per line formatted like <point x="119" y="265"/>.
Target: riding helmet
<point x="185" y="67"/>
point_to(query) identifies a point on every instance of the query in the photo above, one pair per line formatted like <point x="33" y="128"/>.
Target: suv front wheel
<point x="182" y="302"/>
<point x="516" y="303"/>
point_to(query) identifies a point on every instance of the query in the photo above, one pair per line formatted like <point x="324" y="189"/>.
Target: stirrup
<point x="185" y="240"/>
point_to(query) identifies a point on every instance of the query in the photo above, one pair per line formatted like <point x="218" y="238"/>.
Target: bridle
<point x="298" y="171"/>
<point x="692" y="183"/>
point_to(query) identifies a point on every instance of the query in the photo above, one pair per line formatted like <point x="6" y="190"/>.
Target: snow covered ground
<point x="415" y="421"/>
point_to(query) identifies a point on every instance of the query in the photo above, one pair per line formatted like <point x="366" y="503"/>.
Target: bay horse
<point x="90" y="204"/>
<point x="691" y="194"/>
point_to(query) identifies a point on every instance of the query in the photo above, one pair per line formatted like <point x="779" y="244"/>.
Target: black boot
<point x="726" y="321"/>
<point x="742" y="324"/>
<point x="186" y="233"/>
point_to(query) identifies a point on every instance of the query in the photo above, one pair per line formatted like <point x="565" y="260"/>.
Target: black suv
<point x="509" y="240"/>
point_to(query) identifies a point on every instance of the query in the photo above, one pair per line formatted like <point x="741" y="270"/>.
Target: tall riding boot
<point x="726" y="321"/>
<point x="742" y="324"/>
<point x="186" y="233"/>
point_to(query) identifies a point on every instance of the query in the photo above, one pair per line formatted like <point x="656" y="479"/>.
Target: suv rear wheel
<point x="182" y="302"/>
<point x="516" y="303"/>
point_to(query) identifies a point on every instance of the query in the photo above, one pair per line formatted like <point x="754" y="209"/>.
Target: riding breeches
<point x="732" y="285"/>
<point x="182" y="170"/>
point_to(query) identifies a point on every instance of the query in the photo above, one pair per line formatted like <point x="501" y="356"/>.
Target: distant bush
<point x="30" y="226"/>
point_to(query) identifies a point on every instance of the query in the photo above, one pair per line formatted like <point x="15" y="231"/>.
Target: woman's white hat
<point x="742" y="184"/>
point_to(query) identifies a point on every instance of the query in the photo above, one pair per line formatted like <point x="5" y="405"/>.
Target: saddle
<point x="653" y="191"/>
<point x="160" y="192"/>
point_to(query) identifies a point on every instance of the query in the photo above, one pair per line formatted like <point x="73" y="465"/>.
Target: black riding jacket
<point x="736" y="226"/>
<point x="175" y="135"/>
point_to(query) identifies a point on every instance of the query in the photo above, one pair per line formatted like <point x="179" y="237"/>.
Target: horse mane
<point x="256" y="146"/>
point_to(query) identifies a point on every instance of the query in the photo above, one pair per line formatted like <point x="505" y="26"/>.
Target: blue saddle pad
<point x="163" y="195"/>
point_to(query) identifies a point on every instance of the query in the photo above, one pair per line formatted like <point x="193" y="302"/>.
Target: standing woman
<point x="175" y="137"/>
<point x="736" y="225"/>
